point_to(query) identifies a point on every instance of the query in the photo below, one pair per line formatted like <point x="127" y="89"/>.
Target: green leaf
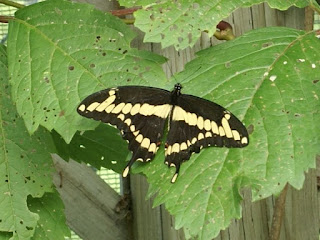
<point x="180" y="24"/>
<point x="102" y="147"/>
<point x="270" y="79"/>
<point x="60" y="52"/>
<point x="52" y="222"/>
<point x="25" y="165"/>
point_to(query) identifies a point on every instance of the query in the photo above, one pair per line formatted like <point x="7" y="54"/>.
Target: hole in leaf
<point x="315" y="81"/>
<point x="92" y="65"/>
<point x="71" y="68"/>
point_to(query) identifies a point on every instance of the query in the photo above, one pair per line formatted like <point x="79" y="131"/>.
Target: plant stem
<point x="125" y="11"/>
<point x="5" y="19"/>
<point x="12" y="4"/>
<point x="278" y="214"/>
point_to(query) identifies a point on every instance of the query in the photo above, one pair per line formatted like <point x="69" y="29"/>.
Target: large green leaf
<point x="59" y="52"/>
<point x="270" y="79"/>
<point x="51" y="224"/>
<point x="25" y="165"/>
<point x="180" y="23"/>
<point x="102" y="147"/>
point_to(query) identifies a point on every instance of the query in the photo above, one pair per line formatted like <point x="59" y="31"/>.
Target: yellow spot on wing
<point x="128" y="122"/>
<point x="214" y="127"/>
<point x="145" y="143"/>
<point x="106" y="103"/>
<point x="118" y="108"/>
<point x="109" y="108"/>
<point x="236" y="135"/>
<point x="192" y="119"/>
<point x="139" y="138"/>
<point x="168" y="150"/>
<point x="244" y="140"/>
<point x="175" y="147"/>
<point x="221" y="131"/>
<point x="178" y="114"/>
<point x="145" y="109"/>
<point x="121" y="117"/>
<point x="127" y="108"/>
<point x="162" y="111"/>
<point x="82" y="107"/>
<point x="135" y="109"/>
<point x="200" y="123"/>
<point x="183" y="146"/>
<point x="132" y="128"/>
<point x="152" y="148"/>
<point x="207" y="124"/>
<point x="92" y="106"/>
<point x="226" y="126"/>
<point x="200" y="136"/>
<point x="208" y="135"/>
<point x="136" y="133"/>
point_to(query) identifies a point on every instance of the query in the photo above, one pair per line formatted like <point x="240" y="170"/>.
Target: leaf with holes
<point x="180" y="24"/>
<point x="25" y="165"/>
<point x="59" y="52"/>
<point x="52" y="222"/>
<point x="270" y="79"/>
<point x="102" y="147"/>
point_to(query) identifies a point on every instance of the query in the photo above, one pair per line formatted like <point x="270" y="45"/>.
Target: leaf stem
<point x="12" y="4"/>
<point x="315" y="7"/>
<point x="125" y="11"/>
<point x="5" y="19"/>
<point x="278" y="214"/>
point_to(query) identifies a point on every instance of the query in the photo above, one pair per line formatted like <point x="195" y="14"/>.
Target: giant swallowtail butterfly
<point x="141" y="113"/>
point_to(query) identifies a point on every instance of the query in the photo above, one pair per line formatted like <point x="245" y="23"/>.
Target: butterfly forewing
<point x="197" y="123"/>
<point x="138" y="112"/>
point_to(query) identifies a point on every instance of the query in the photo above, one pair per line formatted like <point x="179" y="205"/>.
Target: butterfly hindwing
<point x="197" y="123"/>
<point x="136" y="112"/>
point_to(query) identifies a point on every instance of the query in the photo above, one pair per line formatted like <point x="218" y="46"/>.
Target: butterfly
<point x="141" y="113"/>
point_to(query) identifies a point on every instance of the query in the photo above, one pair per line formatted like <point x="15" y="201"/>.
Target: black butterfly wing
<point x="138" y="112"/>
<point x="197" y="123"/>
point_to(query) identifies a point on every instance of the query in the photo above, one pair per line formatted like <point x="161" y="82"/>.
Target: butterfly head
<point x="177" y="88"/>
